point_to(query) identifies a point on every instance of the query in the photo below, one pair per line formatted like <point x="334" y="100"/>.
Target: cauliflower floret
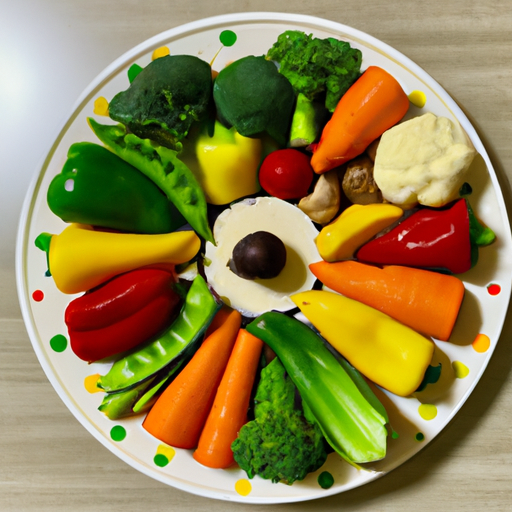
<point x="423" y="160"/>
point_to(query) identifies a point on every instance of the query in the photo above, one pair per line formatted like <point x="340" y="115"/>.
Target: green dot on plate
<point x="325" y="480"/>
<point x="117" y="433"/>
<point x="394" y="435"/>
<point x="160" y="460"/>
<point x="59" y="343"/>
<point x="227" y="37"/>
<point x="134" y="70"/>
<point x="419" y="436"/>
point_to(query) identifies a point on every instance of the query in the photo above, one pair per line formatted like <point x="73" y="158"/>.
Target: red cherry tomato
<point x="286" y="174"/>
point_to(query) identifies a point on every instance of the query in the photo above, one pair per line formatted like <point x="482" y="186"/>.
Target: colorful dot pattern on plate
<point x="427" y="411"/>
<point x="101" y="106"/>
<point x="164" y="455"/>
<point x="91" y="383"/>
<point x="160" y="52"/>
<point x="494" y="289"/>
<point x="325" y="480"/>
<point x="243" y="487"/>
<point x="118" y="433"/>
<point x="169" y="462"/>
<point x="59" y="343"/>
<point x="38" y="295"/>
<point x="227" y="37"/>
<point x="418" y="98"/>
<point x="481" y="343"/>
<point x="133" y="71"/>
<point x="460" y="369"/>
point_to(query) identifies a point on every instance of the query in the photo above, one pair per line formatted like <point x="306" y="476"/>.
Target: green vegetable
<point x="165" y="99"/>
<point x="309" y="118"/>
<point x="316" y="67"/>
<point x="120" y="405"/>
<point x="176" y="343"/>
<point x="279" y="444"/>
<point x="138" y="398"/>
<point x="162" y="166"/>
<point x="98" y="188"/>
<point x="252" y="96"/>
<point x="351" y="425"/>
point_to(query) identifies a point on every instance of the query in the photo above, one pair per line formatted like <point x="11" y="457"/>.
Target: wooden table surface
<point x="50" y="51"/>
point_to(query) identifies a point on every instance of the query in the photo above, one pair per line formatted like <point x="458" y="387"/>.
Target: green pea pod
<point x="176" y="343"/>
<point x="98" y="188"/>
<point x="349" y="422"/>
<point x="120" y="405"/>
<point x="145" y="402"/>
<point x="139" y="398"/>
<point x="164" y="168"/>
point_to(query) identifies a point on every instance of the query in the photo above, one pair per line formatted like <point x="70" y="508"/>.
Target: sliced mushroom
<point x="358" y="183"/>
<point x="324" y="202"/>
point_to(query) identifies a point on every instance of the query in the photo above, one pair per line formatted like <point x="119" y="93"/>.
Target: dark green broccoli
<point x="252" y="96"/>
<point x="165" y="99"/>
<point x="316" y="66"/>
<point x="279" y="444"/>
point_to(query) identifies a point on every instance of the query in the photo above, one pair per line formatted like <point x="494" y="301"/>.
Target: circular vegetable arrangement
<point x="254" y="278"/>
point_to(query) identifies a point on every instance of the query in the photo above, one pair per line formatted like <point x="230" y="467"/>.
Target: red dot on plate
<point x="38" y="295"/>
<point x="494" y="289"/>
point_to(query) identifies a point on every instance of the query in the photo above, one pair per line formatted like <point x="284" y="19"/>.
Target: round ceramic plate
<point x="415" y="420"/>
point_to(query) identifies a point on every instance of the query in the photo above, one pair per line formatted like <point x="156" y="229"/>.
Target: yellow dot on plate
<point x="91" y="383"/>
<point x="160" y="52"/>
<point x="101" y="106"/>
<point x="481" y="343"/>
<point x="418" y="98"/>
<point x="243" y="487"/>
<point x="460" y="369"/>
<point x="427" y="411"/>
<point x="166" y="450"/>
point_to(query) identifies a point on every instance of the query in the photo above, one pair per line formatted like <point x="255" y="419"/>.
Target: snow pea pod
<point x="139" y="398"/>
<point x="177" y="342"/>
<point x="349" y="422"/>
<point x="162" y="166"/>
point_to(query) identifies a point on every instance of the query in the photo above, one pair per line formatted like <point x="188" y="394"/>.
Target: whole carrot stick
<point x="372" y="105"/>
<point x="229" y="411"/>
<point x="179" y="414"/>
<point x="426" y="301"/>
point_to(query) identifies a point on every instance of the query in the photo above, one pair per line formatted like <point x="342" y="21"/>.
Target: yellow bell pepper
<point x="81" y="258"/>
<point x="387" y="352"/>
<point x="340" y="239"/>
<point x="225" y="164"/>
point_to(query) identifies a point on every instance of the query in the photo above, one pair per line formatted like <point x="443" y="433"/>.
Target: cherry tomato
<point x="286" y="174"/>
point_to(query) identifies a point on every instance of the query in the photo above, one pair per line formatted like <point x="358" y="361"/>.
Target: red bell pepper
<point x="442" y="239"/>
<point x="122" y="313"/>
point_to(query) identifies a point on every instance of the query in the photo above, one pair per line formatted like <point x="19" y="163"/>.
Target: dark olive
<point x="258" y="255"/>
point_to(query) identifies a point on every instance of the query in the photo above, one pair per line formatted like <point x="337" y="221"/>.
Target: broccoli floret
<point x="165" y="99"/>
<point x="316" y="66"/>
<point x="279" y="444"/>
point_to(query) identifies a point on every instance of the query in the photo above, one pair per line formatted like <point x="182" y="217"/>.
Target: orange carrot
<point x="229" y="411"/>
<point x="426" y="301"/>
<point x="372" y="105"/>
<point x="179" y="414"/>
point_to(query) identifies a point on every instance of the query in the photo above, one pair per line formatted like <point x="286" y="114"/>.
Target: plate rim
<point x="143" y="48"/>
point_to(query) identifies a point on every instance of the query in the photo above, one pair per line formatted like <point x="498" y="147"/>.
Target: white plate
<point x="416" y="420"/>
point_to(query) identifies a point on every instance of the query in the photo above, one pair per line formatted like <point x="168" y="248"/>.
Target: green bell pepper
<point x="98" y="188"/>
<point x="162" y="166"/>
<point x="176" y="343"/>
<point x="354" y="428"/>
